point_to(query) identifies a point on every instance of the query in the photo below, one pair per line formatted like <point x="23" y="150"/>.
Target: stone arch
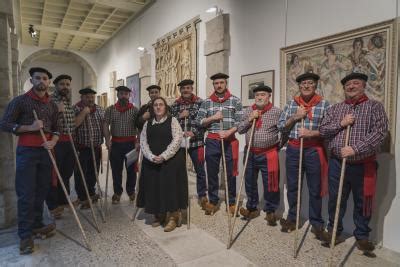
<point x="62" y="53"/>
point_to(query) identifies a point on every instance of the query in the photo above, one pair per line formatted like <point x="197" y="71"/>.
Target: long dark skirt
<point x="164" y="187"/>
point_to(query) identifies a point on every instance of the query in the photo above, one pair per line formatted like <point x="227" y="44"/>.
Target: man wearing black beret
<point x="63" y="151"/>
<point x="263" y="154"/>
<point x="221" y="108"/>
<point x="33" y="165"/>
<point x="301" y="119"/>
<point x="120" y="134"/>
<point x="89" y="119"/>
<point x="144" y="112"/>
<point x="369" y="127"/>
<point x="184" y="108"/>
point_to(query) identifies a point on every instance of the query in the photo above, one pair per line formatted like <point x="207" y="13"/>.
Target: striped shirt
<point x="318" y="113"/>
<point x="192" y="124"/>
<point x="231" y="110"/>
<point x="20" y="111"/>
<point x="83" y="132"/>
<point x="122" y="124"/>
<point x="367" y="133"/>
<point x="266" y="136"/>
<point x="66" y="120"/>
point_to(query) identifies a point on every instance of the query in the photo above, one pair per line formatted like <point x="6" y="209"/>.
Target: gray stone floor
<point x="123" y="243"/>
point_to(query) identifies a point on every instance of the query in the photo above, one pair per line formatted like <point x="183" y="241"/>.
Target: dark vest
<point x="159" y="135"/>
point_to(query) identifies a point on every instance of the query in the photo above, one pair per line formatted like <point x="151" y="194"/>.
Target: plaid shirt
<point x="122" y="123"/>
<point x="83" y="132"/>
<point x="66" y="123"/>
<point x="367" y="133"/>
<point x="20" y="111"/>
<point x="192" y="124"/>
<point x="231" y="110"/>
<point x="266" y="136"/>
<point x="318" y="113"/>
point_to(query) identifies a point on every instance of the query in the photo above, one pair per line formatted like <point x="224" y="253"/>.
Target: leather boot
<point x="159" y="219"/>
<point x="210" y="209"/>
<point x="249" y="214"/>
<point x="287" y="225"/>
<point x="26" y="246"/>
<point x="202" y="202"/>
<point x="271" y="219"/>
<point x="365" y="246"/>
<point x="175" y="220"/>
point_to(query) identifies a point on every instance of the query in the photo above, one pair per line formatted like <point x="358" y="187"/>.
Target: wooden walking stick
<point x="82" y="176"/>
<point x="106" y="190"/>
<point x="186" y="160"/>
<point x="296" y="233"/>
<point x="241" y="184"/>
<point x="95" y="170"/>
<point x="53" y="161"/>
<point x="136" y="209"/>
<point x="225" y="178"/>
<point x="339" y="198"/>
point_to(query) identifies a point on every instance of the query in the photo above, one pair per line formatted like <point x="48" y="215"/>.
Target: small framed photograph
<point x="120" y="82"/>
<point x="251" y="81"/>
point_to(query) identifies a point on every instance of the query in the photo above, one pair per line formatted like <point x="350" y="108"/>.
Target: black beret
<point x="62" y="77"/>
<point x="39" y="69"/>
<point x="87" y="90"/>
<point x="262" y="87"/>
<point x="219" y="76"/>
<point x="153" y="87"/>
<point x="122" y="88"/>
<point x="354" y="75"/>
<point x="307" y="76"/>
<point x="186" y="82"/>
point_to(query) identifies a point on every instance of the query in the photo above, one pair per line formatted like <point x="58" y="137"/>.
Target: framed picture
<point x="133" y="83"/>
<point x="120" y="82"/>
<point x="371" y="50"/>
<point x="251" y="81"/>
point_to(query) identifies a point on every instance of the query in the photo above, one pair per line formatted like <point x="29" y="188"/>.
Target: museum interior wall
<point x="257" y="29"/>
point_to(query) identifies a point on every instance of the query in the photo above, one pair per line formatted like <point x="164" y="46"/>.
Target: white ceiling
<point x="81" y="25"/>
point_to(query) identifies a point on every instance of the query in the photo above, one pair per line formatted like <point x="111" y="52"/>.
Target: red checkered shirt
<point x="367" y="133"/>
<point x="266" y="136"/>
<point x="122" y="124"/>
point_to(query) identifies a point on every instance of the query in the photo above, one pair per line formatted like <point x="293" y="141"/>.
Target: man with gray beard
<point x="263" y="154"/>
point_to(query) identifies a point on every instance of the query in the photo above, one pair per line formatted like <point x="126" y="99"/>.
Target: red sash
<point x="271" y="154"/>
<point x="319" y="146"/>
<point x="369" y="183"/>
<point x="31" y="139"/>
<point x="200" y="154"/>
<point x="64" y="138"/>
<point x="123" y="139"/>
<point x="235" y="150"/>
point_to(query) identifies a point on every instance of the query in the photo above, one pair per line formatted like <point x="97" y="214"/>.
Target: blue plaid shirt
<point x="318" y="113"/>
<point x="231" y="110"/>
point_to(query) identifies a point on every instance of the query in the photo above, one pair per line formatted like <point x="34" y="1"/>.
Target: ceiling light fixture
<point x="215" y="9"/>
<point x="141" y="48"/>
<point x="32" y="31"/>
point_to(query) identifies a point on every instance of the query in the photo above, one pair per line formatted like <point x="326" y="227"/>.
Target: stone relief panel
<point x="176" y="59"/>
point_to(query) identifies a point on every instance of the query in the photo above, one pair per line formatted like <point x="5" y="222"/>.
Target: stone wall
<point x="8" y="85"/>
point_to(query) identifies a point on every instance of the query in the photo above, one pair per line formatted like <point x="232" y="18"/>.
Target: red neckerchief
<point x="45" y="99"/>
<point x="81" y="105"/>
<point x="216" y="99"/>
<point x="121" y="108"/>
<point x="358" y="101"/>
<point x="261" y="112"/>
<point x="308" y="105"/>
<point x="183" y="101"/>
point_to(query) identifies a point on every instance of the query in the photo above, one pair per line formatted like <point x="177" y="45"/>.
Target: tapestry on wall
<point x="176" y="59"/>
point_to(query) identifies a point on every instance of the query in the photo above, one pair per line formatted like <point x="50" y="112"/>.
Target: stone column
<point x="217" y="47"/>
<point x="7" y="156"/>
<point x="14" y="63"/>
<point x="145" y="77"/>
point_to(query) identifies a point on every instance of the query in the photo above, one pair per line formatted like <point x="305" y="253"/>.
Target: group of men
<point x="306" y="123"/>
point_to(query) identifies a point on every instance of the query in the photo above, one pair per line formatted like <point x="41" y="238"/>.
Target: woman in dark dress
<point x="163" y="182"/>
